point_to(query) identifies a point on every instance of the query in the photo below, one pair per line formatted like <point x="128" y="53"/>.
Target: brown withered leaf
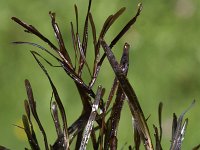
<point x="107" y="24"/>
<point x="59" y="38"/>
<point x="34" y="31"/>
<point x="121" y="33"/>
<point x="85" y="30"/>
<point x="157" y="138"/>
<point x="74" y="41"/>
<point x="196" y="147"/>
<point x="34" y="145"/>
<point x="118" y="104"/>
<point x="133" y="102"/>
<point x="27" y="109"/>
<point x="90" y="123"/>
<point x="137" y="139"/>
<point x="59" y="103"/>
<point x="32" y="104"/>
<point x="82" y="59"/>
<point x="54" y="113"/>
<point x="178" y="130"/>
<point x="160" y="119"/>
<point x="3" y="148"/>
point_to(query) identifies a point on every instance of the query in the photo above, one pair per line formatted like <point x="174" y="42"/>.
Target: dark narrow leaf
<point x="3" y="148"/>
<point x="196" y="147"/>
<point x="20" y="127"/>
<point x="54" y="112"/>
<point x="85" y="30"/>
<point x="78" y="80"/>
<point x="78" y="126"/>
<point x="177" y="143"/>
<point x="92" y="117"/>
<point x="103" y="32"/>
<point x="83" y="91"/>
<point x="114" y="18"/>
<point x="122" y="32"/>
<point x="80" y="123"/>
<point x="124" y="65"/>
<point x="58" y="144"/>
<point x="74" y="41"/>
<point x="127" y="26"/>
<point x="104" y="28"/>
<point x="82" y="59"/>
<point x="107" y="134"/>
<point x="79" y="135"/>
<point x="113" y="143"/>
<point x="101" y="132"/>
<point x="76" y="12"/>
<point x="32" y="30"/>
<point x="137" y="139"/>
<point x="156" y="135"/>
<point x="111" y="94"/>
<point x="32" y="105"/>
<point x="109" y="21"/>
<point x="94" y="140"/>
<point x="96" y="50"/>
<point x="38" y="46"/>
<point x="58" y="101"/>
<point x="34" y="145"/>
<point x="178" y="135"/>
<point x="100" y="141"/>
<point x="119" y="101"/>
<point x="97" y="63"/>
<point x="148" y="117"/>
<point x="115" y="116"/>
<point x="86" y="99"/>
<point x="46" y="59"/>
<point x="174" y="125"/>
<point x="27" y="109"/>
<point x="60" y="40"/>
<point x="93" y="31"/>
<point x="79" y="140"/>
<point x="132" y="98"/>
<point x="97" y="47"/>
<point x="160" y="119"/>
<point x="130" y="148"/>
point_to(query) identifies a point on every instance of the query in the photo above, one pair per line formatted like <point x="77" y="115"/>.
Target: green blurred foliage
<point x="164" y="63"/>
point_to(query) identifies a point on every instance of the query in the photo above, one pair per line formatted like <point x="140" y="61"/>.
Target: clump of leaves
<point x="104" y="134"/>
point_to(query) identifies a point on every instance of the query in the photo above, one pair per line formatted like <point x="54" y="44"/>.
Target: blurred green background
<point x="164" y="63"/>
